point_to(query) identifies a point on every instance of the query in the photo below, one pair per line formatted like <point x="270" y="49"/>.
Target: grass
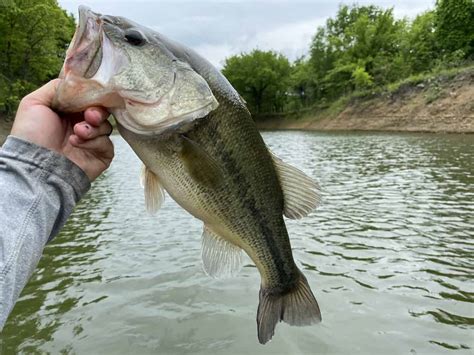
<point x="436" y="75"/>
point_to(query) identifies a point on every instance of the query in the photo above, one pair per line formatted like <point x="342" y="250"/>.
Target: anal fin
<point x="154" y="192"/>
<point x="220" y="258"/>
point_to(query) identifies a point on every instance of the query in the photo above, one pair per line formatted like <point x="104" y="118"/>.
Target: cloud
<point x="218" y="29"/>
<point x="215" y="53"/>
<point x="292" y="40"/>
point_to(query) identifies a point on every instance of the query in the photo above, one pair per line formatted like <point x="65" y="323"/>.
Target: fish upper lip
<point x="85" y="14"/>
<point x="88" y="33"/>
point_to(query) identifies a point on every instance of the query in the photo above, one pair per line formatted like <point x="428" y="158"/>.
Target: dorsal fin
<point x="301" y="193"/>
<point x="154" y="192"/>
<point x="220" y="258"/>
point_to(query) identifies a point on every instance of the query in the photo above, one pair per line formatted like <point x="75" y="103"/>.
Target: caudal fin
<point x="296" y="307"/>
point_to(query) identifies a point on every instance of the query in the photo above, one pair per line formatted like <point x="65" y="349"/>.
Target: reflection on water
<point x="389" y="255"/>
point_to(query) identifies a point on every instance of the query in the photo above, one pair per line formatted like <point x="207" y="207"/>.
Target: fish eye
<point x="134" y="37"/>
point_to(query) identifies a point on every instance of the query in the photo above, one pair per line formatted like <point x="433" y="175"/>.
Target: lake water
<point x="389" y="256"/>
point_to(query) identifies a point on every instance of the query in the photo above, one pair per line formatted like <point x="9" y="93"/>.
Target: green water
<point x="389" y="255"/>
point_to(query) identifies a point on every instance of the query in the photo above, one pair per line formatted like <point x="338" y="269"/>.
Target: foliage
<point x="362" y="79"/>
<point x="301" y="85"/>
<point x="362" y="44"/>
<point x="419" y="46"/>
<point x="33" y="39"/>
<point x="261" y="78"/>
<point x="455" y="26"/>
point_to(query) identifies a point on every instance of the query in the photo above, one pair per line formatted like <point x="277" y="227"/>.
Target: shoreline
<point x="439" y="125"/>
<point x="464" y="125"/>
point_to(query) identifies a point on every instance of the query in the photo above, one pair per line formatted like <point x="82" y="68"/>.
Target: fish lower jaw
<point x="166" y="124"/>
<point x="76" y="93"/>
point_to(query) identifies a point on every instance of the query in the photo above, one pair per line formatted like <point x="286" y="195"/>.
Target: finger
<point x="75" y="140"/>
<point x="44" y="95"/>
<point x="74" y="118"/>
<point x="101" y="146"/>
<point x="96" y="115"/>
<point x="86" y="131"/>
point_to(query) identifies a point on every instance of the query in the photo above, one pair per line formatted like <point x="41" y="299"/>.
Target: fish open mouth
<point x="84" y="55"/>
<point x="147" y="89"/>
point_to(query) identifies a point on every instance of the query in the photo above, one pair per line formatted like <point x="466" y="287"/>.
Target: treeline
<point x="34" y="35"/>
<point x="361" y="49"/>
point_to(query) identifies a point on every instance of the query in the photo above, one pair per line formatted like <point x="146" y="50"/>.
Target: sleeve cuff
<point x="48" y="160"/>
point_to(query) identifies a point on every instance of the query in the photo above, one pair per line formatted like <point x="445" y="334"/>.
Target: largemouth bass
<point x="198" y="142"/>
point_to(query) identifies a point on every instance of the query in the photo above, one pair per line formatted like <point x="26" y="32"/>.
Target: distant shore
<point x="443" y="104"/>
<point x="420" y="124"/>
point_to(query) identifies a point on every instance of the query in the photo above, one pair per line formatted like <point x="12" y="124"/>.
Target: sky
<point x="218" y="29"/>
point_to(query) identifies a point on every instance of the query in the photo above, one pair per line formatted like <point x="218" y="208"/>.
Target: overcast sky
<point x="218" y="29"/>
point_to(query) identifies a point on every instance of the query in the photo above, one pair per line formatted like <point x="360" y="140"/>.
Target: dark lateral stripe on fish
<point x="249" y="201"/>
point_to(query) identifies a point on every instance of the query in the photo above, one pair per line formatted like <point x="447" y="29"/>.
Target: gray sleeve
<point x="38" y="190"/>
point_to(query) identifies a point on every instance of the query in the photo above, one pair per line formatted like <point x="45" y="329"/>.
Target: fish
<point x="198" y="142"/>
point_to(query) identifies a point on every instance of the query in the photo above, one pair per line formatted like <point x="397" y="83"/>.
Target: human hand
<point x="81" y="137"/>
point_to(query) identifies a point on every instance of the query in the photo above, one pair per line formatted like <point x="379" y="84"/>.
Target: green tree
<point x="301" y="82"/>
<point x="360" y="45"/>
<point x="261" y="77"/>
<point x="322" y="59"/>
<point x="419" y="45"/>
<point x="454" y="21"/>
<point x="33" y="39"/>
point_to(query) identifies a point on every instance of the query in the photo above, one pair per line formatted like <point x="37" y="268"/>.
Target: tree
<point x="454" y="21"/>
<point x="322" y="59"/>
<point x="261" y="77"/>
<point x="419" y="45"/>
<point x="302" y="81"/>
<point x="358" y="47"/>
<point x="33" y="39"/>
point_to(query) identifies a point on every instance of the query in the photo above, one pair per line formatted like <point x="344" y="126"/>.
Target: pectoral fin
<point x="199" y="164"/>
<point x="301" y="193"/>
<point x="154" y="192"/>
<point x="220" y="258"/>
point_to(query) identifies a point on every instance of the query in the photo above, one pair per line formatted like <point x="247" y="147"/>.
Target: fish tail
<point x="298" y="306"/>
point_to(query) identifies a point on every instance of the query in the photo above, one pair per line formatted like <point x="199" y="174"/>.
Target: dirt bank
<point x="441" y="104"/>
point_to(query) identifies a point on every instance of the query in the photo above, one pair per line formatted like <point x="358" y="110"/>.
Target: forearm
<point x="38" y="190"/>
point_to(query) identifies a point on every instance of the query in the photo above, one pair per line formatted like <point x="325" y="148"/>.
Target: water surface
<point x="389" y="256"/>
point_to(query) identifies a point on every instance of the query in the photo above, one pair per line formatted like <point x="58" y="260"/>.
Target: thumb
<point x="44" y="95"/>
